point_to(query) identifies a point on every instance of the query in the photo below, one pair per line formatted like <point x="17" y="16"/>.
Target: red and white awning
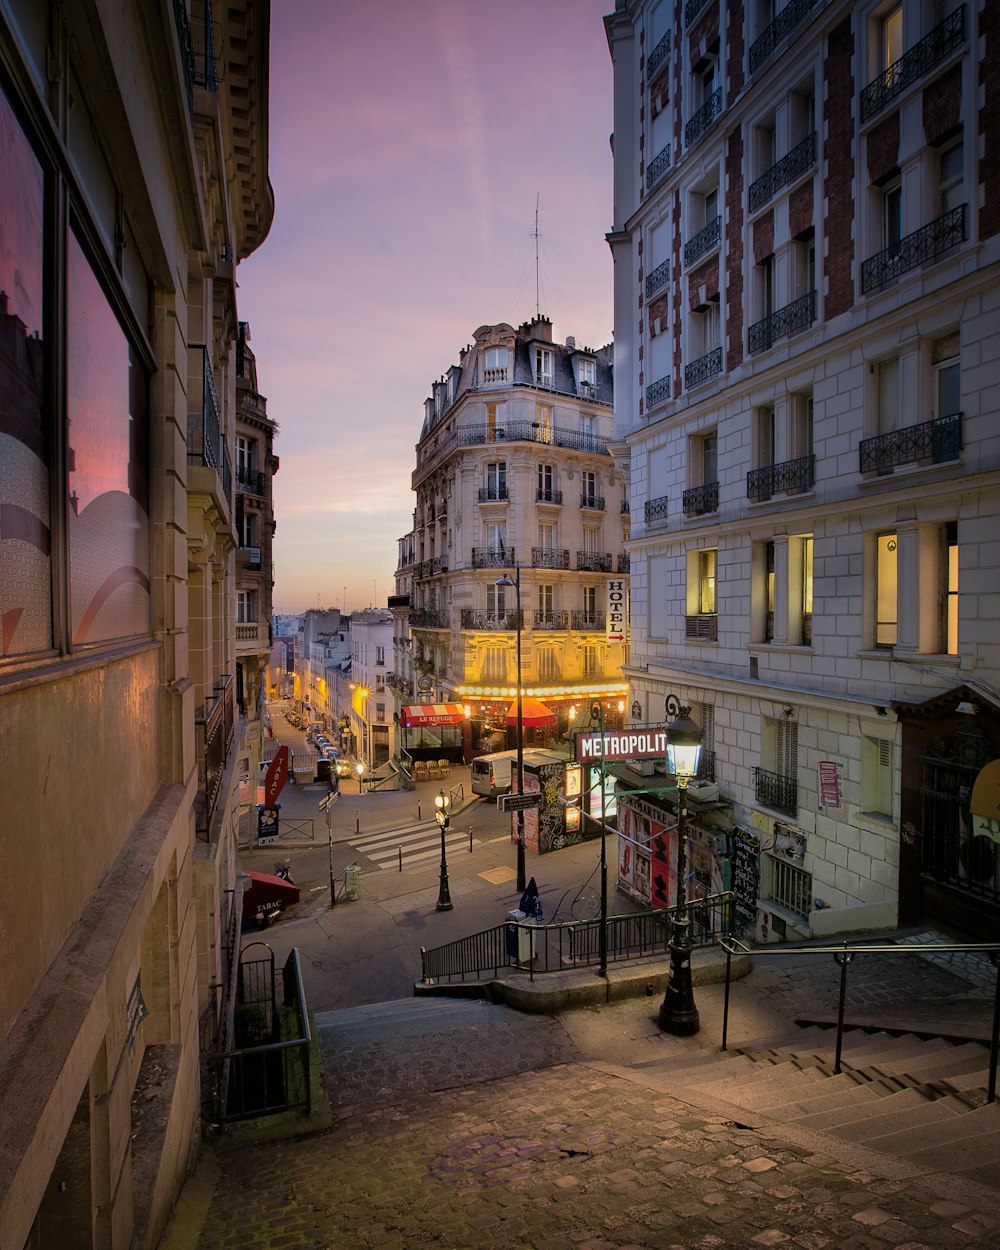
<point x="424" y="714"/>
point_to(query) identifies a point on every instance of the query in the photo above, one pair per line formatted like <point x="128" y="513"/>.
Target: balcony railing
<point x="701" y="499"/>
<point x="932" y="441"/>
<point x="691" y="10"/>
<point x="776" y="791"/>
<point x="703" y="242"/>
<point x="655" y="510"/>
<point x="478" y="618"/>
<point x="592" y="501"/>
<point x="657" y="392"/>
<point x="925" y="244"/>
<point x="703" y="118"/>
<point x="493" y="558"/>
<point x="531" y="432"/>
<point x="914" y="64"/>
<point x="251" y="481"/>
<point x="593" y="562"/>
<point x="493" y="494"/>
<point x="659" y="277"/>
<point x="702" y="627"/>
<point x="791" y="166"/>
<point x="214" y="730"/>
<point x="786" y="21"/>
<point x="551" y="620"/>
<point x="544" y="495"/>
<point x="796" y="316"/>
<point x="703" y="369"/>
<point x="251" y="633"/>
<point x="657" y="57"/>
<point x="206" y="445"/>
<point x="790" y="476"/>
<point x="431" y="619"/>
<point x="549" y="558"/>
<point x="657" y="167"/>
<point x="496" y="377"/>
<point x="588" y="622"/>
<point x="624" y="564"/>
<point x="431" y="568"/>
<point x="791" y="886"/>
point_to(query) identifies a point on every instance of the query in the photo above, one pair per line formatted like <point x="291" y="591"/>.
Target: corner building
<point x="514" y="480"/>
<point x="806" y="242"/>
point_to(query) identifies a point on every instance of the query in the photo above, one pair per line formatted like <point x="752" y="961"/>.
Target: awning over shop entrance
<point x="424" y="714"/>
<point x="532" y="713"/>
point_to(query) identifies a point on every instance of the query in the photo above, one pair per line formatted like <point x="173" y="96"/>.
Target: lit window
<point x="891" y="37"/>
<point x="950" y="621"/>
<point x="885" y="590"/>
<point x="876" y="776"/>
<point x="543" y="419"/>
<point x="706" y="581"/>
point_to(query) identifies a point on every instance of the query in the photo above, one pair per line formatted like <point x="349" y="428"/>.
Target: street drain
<point x="482" y="1162"/>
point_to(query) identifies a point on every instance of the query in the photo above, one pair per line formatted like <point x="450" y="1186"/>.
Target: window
<point x="764" y="146"/>
<point x="246" y="526"/>
<point x="496" y="479"/>
<point x="496" y="599"/>
<point x="380" y="655"/>
<point x="800" y="555"/>
<point x="708" y="460"/>
<point x="546" y="536"/>
<point x="543" y="422"/>
<point x="804" y="265"/>
<point x="947" y="377"/>
<point x="591" y="538"/>
<point x="892" y="214"/>
<point x="876" y="776"/>
<point x="495" y="365"/>
<point x="244" y="453"/>
<point x="494" y="422"/>
<point x="545" y="482"/>
<point x="496" y="536"/>
<point x="948" y="564"/>
<point x="769" y="591"/>
<point x="802" y="425"/>
<point x="546" y="600"/>
<point x="588" y="487"/>
<point x="706" y="581"/>
<point x="705" y="78"/>
<point x="590" y="662"/>
<point x="950" y="189"/>
<point x="764" y="287"/>
<point x="706" y="324"/>
<point x="543" y="366"/>
<point x="588" y="424"/>
<point x="888" y="397"/>
<point x="548" y="664"/>
<point x="590" y="603"/>
<point x="891" y="37"/>
<point x="246" y="607"/>
<point x="588" y="371"/>
<point x="885" y="590"/>
<point x="764" y="429"/>
<point x="710" y="206"/>
<point x="494" y="663"/>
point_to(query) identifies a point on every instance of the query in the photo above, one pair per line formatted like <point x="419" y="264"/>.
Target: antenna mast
<point x="538" y="307"/>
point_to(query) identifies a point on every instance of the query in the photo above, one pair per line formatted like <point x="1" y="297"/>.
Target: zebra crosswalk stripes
<point x="421" y="846"/>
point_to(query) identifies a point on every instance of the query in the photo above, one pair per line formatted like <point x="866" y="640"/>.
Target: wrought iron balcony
<point x="657" y="57"/>
<point x="703" y="242"/>
<point x="206" y="444"/>
<point x="431" y="619"/>
<point x="655" y="510"/>
<point x="592" y="501"/>
<point x="701" y="499"/>
<point x="588" y="622"/>
<point x="657" y="392"/>
<point x="250" y="481"/>
<point x="626" y="506"/>
<point x="657" y="167"/>
<point x="478" y="618"/>
<point x="549" y="558"/>
<point x="214" y="731"/>
<point x="659" y="277"/>
<point x="551" y="620"/>
<point x="933" y="442"/>
<point x="702" y="627"/>
<point x="776" y="791"/>
<point x="593" y="562"/>
<point x="703" y="118"/>
<point x="925" y="244"/>
<point x="522" y="431"/>
<point x="493" y="494"/>
<point x="703" y="369"/>
<point x="786" y="21"/>
<point x="791" y="166"/>
<point x="624" y="564"/>
<point x="431" y="568"/>
<point x="796" y="316"/>
<point x="544" y="495"/>
<point x="691" y="10"/>
<point x="914" y="64"/>
<point x="791" y="476"/>
<point x="493" y="558"/>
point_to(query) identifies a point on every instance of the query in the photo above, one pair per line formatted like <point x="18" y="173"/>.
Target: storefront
<point x="435" y="731"/>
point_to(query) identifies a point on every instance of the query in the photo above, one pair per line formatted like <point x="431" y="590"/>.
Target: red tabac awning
<point x="532" y="713"/>
<point x="265" y="893"/>
<point x="423" y="714"/>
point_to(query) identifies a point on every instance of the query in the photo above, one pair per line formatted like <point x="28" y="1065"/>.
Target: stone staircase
<point x="920" y="1100"/>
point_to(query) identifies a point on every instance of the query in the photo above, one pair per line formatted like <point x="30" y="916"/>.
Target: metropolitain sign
<point x="635" y="744"/>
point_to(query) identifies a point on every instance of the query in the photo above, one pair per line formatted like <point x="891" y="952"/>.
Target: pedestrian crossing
<point x="417" y="846"/>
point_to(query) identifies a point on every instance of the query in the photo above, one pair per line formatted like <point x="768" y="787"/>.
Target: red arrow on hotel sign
<point x="277" y="775"/>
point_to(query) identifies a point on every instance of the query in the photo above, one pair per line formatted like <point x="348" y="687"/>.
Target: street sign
<point x="518" y="802"/>
<point x="277" y="775"/>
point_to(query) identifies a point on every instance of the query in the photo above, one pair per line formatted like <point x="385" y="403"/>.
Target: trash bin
<point x="351" y="882"/>
<point x="518" y="938"/>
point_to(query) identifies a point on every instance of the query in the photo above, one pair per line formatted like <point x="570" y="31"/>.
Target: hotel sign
<point x="634" y="744"/>
<point x="617" y="610"/>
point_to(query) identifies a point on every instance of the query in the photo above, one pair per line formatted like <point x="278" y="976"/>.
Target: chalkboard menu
<point x="746" y="878"/>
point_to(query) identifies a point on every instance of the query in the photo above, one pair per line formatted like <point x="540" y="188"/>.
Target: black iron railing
<point x="655" y="510"/>
<point x="701" y="499"/>
<point x="702" y="627"/>
<point x="657" y="392"/>
<point x="914" y="64"/>
<point x="587" y="622"/>
<point x="431" y="568"/>
<point x="215" y="727"/>
<point x="544" y="495"/>
<point x="703" y="369"/>
<point x="796" y="316"/>
<point x="776" y="791"/>
<point x="551" y="620"/>
<point x="786" y="21"/>
<point x="657" y="167"/>
<point x="791" y="166"/>
<point x="624" y="564"/>
<point x="657" y="57"/>
<point x="549" y="558"/>
<point x="925" y="244"/>
<point x="206" y="445"/>
<point x="700" y="121"/>
<point x="493" y="558"/>
<point x="527" y="431"/>
<point x="932" y="441"/>
<point x="479" y="618"/>
<point x="592" y="501"/>
<point x="691" y="10"/>
<point x="593" y="562"/>
<point x="430" y="620"/>
<point x="493" y="494"/>
<point x="659" y="277"/>
<point x="790" y="475"/>
<point x="250" y="481"/>
<point x="703" y="242"/>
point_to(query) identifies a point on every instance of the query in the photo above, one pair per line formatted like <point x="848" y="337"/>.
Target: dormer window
<point x="543" y="366"/>
<point x="497" y="365"/>
<point x="587" y="374"/>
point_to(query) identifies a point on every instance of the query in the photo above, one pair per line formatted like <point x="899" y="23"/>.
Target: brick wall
<point x="800" y="210"/>
<point x="838" y="186"/>
<point x="734" y="48"/>
<point x="943" y="105"/>
<point x="734" y="248"/>
<point x="883" y="149"/>
<point x="703" y="283"/>
<point x="989" y="120"/>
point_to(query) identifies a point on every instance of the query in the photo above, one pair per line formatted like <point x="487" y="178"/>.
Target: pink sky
<point x="409" y="140"/>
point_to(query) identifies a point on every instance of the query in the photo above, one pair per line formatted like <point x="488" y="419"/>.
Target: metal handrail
<point x="845" y="954"/>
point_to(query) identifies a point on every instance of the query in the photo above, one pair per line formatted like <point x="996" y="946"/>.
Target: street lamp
<point x="441" y="801"/>
<point x="359" y="768"/>
<point x="597" y="713"/>
<point x="678" y="1013"/>
<point x="515" y="581"/>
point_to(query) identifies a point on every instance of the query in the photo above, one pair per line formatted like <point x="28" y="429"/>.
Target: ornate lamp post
<point x="515" y="581"/>
<point x="678" y="1013"/>
<point x="441" y="802"/>
<point x="597" y="713"/>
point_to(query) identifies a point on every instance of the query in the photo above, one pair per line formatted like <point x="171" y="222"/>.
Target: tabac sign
<point x="627" y="744"/>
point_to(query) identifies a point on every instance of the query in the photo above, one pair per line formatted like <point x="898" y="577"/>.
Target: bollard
<point x="418" y="811"/>
<point x="400" y="857"/>
<point x="470" y="839"/>
<point x="357" y="822"/>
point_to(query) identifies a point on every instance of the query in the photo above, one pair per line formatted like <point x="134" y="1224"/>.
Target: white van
<point x="491" y="774"/>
